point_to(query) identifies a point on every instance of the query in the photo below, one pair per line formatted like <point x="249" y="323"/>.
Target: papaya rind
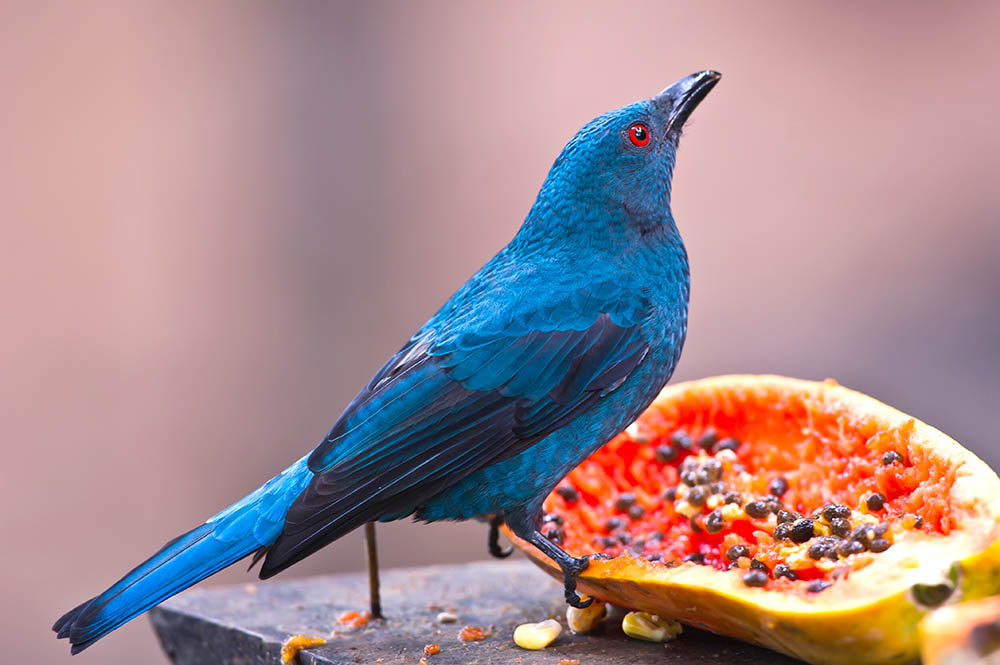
<point x="871" y="617"/>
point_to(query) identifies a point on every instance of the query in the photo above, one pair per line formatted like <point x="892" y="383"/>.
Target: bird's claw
<point x="494" y="541"/>
<point x="570" y="570"/>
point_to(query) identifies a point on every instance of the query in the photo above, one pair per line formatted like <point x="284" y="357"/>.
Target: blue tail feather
<point x="249" y="524"/>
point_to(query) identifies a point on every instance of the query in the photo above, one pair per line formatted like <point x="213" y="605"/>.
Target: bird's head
<point x="615" y="173"/>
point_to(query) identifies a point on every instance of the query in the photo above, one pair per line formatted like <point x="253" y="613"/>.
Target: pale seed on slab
<point x="537" y="635"/>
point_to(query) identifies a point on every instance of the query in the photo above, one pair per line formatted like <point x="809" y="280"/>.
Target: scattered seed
<point x="689" y="477"/>
<point x="778" y="486"/>
<point x="624" y="537"/>
<point x="624" y="501"/>
<point x="613" y="523"/>
<point x="783" y="570"/>
<point x="568" y="492"/>
<point x="695" y="557"/>
<point x="536" y="635"/>
<point x="736" y="551"/>
<point x="734" y="497"/>
<point x="757" y="564"/>
<point x="890" y="457"/>
<point x="607" y="542"/>
<point x="654" y="536"/>
<point x="755" y="578"/>
<point x="556" y="535"/>
<point x="818" y="585"/>
<point x="832" y="511"/>
<point x="714" y="522"/>
<point x="665" y="453"/>
<point x="708" y="438"/>
<point x="774" y="504"/>
<point x="728" y="443"/>
<point x="584" y="620"/>
<point x="879" y="545"/>
<point x="697" y="496"/>
<point x="670" y="494"/>
<point x="681" y="439"/>
<point x="447" y="617"/>
<point x="757" y="509"/>
<point x="650" y="627"/>
<point x="875" y="501"/>
<point x="636" y="511"/>
<point x="713" y="468"/>
<point x="654" y="557"/>
<point x="695" y="526"/>
<point x="553" y="517"/>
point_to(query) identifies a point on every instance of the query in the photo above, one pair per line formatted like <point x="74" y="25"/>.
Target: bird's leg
<point x="571" y="567"/>
<point x="374" y="597"/>
<point x="494" y="541"/>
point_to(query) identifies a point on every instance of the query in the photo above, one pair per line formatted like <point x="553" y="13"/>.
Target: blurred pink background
<point x="219" y="221"/>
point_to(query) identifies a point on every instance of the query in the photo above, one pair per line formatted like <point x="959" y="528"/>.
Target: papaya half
<point x="798" y="515"/>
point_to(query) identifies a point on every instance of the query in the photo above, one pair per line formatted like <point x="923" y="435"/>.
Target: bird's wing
<point x="450" y="403"/>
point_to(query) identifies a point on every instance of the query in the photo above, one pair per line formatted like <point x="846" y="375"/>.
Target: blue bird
<point x="558" y="343"/>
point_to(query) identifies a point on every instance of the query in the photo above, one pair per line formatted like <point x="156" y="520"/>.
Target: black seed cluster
<point x="701" y="479"/>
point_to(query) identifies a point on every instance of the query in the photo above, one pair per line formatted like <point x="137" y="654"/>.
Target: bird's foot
<point x="494" y="539"/>
<point x="571" y="568"/>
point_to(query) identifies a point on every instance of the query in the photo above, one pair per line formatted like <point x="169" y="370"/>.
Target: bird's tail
<point x="249" y="524"/>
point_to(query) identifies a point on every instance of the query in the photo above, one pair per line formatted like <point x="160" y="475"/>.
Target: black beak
<point x="677" y="101"/>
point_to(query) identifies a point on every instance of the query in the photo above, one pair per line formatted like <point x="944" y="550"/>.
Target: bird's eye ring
<point x="638" y="134"/>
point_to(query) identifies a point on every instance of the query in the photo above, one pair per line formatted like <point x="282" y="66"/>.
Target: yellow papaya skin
<point x="870" y="616"/>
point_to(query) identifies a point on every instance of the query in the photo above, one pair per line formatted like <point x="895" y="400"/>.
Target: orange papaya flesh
<point x="962" y="634"/>
<point x="801" y="516"/>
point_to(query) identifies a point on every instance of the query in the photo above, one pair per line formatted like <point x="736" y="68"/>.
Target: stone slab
<point x="246" y="624"/>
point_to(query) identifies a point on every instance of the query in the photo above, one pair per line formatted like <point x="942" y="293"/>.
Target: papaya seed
<point x="757" y="509"/>
<point x="891" y="456"/>
<point x="778" y="486"/>
<point x="681" y="439"/>
<point x="736" y="551"/>
<point x="755" y="578"/>
<point x="875" y="501"/>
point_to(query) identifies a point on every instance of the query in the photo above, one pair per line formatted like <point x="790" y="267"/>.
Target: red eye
<point x="638" y="134"/>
